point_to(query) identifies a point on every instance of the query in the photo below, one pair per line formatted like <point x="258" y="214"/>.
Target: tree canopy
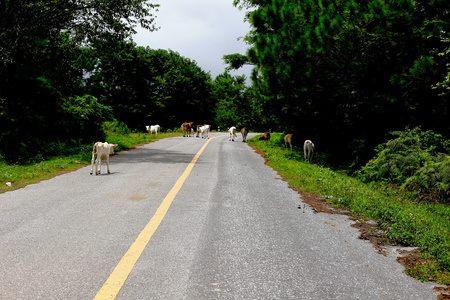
<point x="68" y="66"/>
<point x="42" y="64"/>
<point x="344" y="73"/>
<point x="151" y="86"/>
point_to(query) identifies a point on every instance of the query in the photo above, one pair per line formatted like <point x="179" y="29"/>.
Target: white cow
<point x="232" y="132"/>
<point x="153" y="128"/>
<point x="101" y="151"/>
<point x="308" y="149"/>
<point x="198" y="130"/>
<point x="205" y="131"/>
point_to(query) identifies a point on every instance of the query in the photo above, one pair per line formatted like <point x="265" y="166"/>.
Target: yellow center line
<point x="116" y="280"/>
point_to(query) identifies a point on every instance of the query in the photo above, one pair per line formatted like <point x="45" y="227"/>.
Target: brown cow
<point x="244" y="132"/>
<point x="288" y="139"/>
<point x="265" y="137"/>
<point x="186" y="128"/>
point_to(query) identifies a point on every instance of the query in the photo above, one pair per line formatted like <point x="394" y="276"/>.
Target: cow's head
<point x="111" y="148"/>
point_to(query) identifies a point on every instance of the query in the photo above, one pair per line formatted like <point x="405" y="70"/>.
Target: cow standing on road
<point x="232" y="132"/>
<point x="101" y="151"/>
<point x="186" y="127"/>
<point x="244" y="132"/>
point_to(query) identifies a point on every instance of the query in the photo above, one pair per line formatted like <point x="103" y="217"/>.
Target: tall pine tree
<point x="345" y="72"/>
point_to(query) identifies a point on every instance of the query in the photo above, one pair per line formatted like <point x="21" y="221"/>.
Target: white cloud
<point x="201" y="30"/>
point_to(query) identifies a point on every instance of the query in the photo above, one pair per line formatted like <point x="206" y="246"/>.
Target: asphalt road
<point x="231" y="229"/>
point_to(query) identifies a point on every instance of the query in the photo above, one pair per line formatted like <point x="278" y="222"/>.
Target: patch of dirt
<point x="445" y="292"/>
<point x="367" y="227"/>
<point x="410" y="258"/>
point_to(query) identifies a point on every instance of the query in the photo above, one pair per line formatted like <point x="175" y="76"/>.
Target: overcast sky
<point x="201" y="30"/>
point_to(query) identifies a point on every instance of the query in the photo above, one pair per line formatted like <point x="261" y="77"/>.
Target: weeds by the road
<point x="409" y="223"/>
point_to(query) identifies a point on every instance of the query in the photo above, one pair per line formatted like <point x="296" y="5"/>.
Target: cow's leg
<point x="107" y="164"/>
<point x="92" y="164"/>
<point x="99" y="165"/>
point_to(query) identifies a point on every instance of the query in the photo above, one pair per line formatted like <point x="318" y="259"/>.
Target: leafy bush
<point x="83" y="118"/>
<point x="415" y="160"/>
<point x="116" y="126"/>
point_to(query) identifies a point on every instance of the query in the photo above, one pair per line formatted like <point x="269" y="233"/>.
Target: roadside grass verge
<point x="405" y="222"/>
<point x="20" y="175"/>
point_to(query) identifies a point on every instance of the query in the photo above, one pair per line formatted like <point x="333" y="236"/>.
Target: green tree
<point x="235" y="61"/>
<point x="345" y="72"/>
<point x="41" y="62"/>
<point x="235" y="104"/>
<point x="146" y="86"/>
<point x="183" y="90"/>
<point x="444" y="85"/>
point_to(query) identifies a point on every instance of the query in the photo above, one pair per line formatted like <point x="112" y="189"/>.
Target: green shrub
<point x="116" y="126"/>
<point x="83" y="118"/>
<point x="415" y="160"/>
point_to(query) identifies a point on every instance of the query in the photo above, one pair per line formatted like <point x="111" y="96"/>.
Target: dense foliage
<point x="68" y="66"/>
<point x="42" y="98"/>
<point x="416" y="160"/>
<point x="344" y="73"/>
<point x="234" y="103"/>
<point x="151" y="86"/>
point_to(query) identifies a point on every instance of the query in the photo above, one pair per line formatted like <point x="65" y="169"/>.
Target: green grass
<point x="409" y="223"/>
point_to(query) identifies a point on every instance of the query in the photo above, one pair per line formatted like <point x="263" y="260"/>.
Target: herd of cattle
<point x="103" y="150"/>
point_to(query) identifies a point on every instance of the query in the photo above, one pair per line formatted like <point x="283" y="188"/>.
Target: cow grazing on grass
<point x="101" y="151"/>
<point x="232" y="132"/>
<point x="153" y="128"/>
<point x="288" y="140"/>
<point x="244" y="132"/>
<point x="308" y="149"/>
<point x="186" y="127"/>
<point x="265" y="137"/>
